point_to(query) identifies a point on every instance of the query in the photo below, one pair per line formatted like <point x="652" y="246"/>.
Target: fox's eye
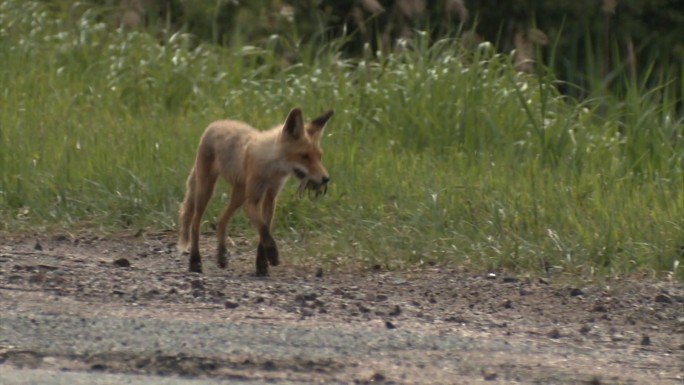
<point x="306" y="157"/>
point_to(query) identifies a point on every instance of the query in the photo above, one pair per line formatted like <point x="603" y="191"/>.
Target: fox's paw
<point x="222" y="258"/>
<point x="272" y="255"/>
<point x="261" y="262"/>
<point x="195" y="263"/>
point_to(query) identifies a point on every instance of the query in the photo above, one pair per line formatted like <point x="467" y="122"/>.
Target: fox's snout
<point x="320" y="184"/>
<point x="301" y="174"/>
<point x="320" y="187"/>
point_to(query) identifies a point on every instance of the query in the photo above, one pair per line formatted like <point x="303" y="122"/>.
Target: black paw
<point x="271" y="253"/>
<point x="261" y="262"/>
<point x="222" y="258"/>
<point x="195" y="263"/>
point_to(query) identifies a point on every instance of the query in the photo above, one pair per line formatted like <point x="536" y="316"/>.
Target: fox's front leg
<point x="267" y="210"/>
<point x="267" y="251"/>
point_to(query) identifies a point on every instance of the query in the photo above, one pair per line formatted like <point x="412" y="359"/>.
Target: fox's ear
<point x="317" y="125"/>
<point x="294" y="124"/>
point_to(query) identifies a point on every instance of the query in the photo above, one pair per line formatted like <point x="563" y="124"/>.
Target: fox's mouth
<point x="301" y="175"/>
<point x="307" y="184"/>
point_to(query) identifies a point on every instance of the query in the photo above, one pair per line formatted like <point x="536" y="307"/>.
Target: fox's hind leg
<point x="187" y="211"/>
<point x="237" y="198"/>
<point x="205" y="180"/>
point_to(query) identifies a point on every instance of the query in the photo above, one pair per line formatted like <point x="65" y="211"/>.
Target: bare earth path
<point x="89" y="309"/>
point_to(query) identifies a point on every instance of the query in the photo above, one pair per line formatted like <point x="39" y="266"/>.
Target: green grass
<point x="437" y="154"/>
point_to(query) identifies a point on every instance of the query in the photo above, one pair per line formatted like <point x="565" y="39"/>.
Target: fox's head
<point x="302" y="146"/>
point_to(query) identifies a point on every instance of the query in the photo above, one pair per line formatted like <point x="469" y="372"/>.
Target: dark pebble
<point x="122" y="262"/>
<point x="555" y="334"/>
<point x="489" y="375"/>
<point x="663" y="298"/>
<point x="576" y="292"/>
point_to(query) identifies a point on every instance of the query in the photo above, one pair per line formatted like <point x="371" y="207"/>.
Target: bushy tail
<point x="187" y="210"/>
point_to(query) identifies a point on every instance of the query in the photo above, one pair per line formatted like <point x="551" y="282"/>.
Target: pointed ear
<point x="317" y="125"/>
<point x="294" y="124"/>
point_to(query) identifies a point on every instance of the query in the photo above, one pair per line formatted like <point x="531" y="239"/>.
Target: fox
<point x="256" y="164"/>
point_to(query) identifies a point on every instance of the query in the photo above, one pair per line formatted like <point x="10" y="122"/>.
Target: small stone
<point x="381" y="297"/>
<point x="390" y="325"/>
<point x="663" y="298"/>
<point x="396" y="311"/>
<point x="319" y="272"/>
<point x="122" y="262"/>
<point x="303" y="297"/>
<point x="456" y="319"/>
<point x="489" y="375"/>
<point x="38" y="246"/>
<point x="231" y="304"/>
<point x="491" y="276"/>
<point x="555" y="334"/>
<point x="645" y="340"/>
<point x="601" y="308"/>
<point x="39" y="277"/>
<point x="585" y="329"/>
<point x="510" y="280"/>
<point x="576" y="292"/>
<point x="524" y="291"/>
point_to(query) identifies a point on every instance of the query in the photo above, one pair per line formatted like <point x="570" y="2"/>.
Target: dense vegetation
<point x="438" y="152"/>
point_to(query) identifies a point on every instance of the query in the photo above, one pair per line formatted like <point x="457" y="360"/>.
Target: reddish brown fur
<point x="256" y="164"/>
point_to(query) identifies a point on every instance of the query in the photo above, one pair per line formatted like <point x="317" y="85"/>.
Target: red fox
<point x="257" y="164"/>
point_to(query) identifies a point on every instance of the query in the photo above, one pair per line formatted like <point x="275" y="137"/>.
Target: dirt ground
<point x="520" y="330"/>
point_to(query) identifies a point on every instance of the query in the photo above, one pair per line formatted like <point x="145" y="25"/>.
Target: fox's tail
<point x="187" y="210"/>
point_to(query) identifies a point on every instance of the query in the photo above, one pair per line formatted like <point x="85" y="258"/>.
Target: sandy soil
<point x="429" y="325"/>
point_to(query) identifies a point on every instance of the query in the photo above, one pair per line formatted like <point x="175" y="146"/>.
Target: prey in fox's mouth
<point x="310" y="185"/>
